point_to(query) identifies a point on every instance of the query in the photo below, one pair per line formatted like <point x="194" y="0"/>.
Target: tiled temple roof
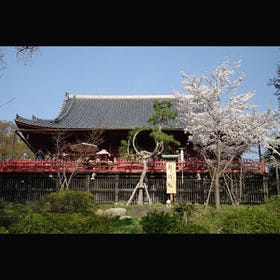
<point x="101" y="111"/>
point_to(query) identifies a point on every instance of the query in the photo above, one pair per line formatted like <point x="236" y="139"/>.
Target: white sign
<point x="171" y="177"/>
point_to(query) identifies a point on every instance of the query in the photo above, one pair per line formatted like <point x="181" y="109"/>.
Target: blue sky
<point x="39" y="88"/>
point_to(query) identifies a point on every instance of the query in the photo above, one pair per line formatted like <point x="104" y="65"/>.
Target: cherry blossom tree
<point x="220" y="121"/>
<point x="274" y="162"/>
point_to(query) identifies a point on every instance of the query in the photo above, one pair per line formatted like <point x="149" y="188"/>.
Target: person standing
<point x="40" y="155"/>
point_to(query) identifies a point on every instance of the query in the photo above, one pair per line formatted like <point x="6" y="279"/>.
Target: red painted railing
<point x="120" y="166"/>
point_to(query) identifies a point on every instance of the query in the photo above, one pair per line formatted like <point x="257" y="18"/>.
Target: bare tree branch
<point x="63" y="157"/>
<point x="2" y="61"/>
<point x="25" y="53"/>
<point x="1" y="105"/>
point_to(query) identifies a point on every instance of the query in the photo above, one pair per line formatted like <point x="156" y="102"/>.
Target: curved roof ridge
<point x="33" y="118"/>
<point x="64" y="110"/>
<point x="117" y="96"/>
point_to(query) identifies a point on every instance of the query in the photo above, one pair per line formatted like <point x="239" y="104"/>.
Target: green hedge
<point x="250" y="220"/>
<point x="66" y="202"/>
<point x="160" y="222"/>
<point x="61" y="223"/>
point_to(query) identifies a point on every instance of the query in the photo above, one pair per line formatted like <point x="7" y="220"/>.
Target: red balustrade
<point x="121" y="166"/>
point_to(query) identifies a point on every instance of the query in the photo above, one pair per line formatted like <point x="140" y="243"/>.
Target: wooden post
<point x="88" y="181"/>
<point x="182" y="163"/>
<point x="117" y="187"/>
<point x="13" y="146"/>
<point x="140" y="199"/>
<point x="265" y="187"/>
<point x="277" y="179"/>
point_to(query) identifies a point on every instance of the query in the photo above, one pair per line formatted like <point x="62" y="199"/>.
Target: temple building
<point x="112" y="115"/>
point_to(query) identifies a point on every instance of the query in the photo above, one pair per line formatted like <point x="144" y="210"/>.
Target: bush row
<point x="75" y="212"/>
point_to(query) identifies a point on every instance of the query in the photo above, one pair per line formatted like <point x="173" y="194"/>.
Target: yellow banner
<point x="171" y="177"/>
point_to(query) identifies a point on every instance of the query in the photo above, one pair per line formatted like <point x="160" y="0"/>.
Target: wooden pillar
<point x="13" y="146"/>
<point x="277" y="180"/>
<point x="88" y="181"/>
<point x="140" y="199"/>
<point x="117" y="187"/>
<point x="265" y="187"/>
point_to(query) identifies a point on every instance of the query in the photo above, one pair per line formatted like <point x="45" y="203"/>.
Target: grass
<point x="126" y="226"/>
<point x="212" y="220"/>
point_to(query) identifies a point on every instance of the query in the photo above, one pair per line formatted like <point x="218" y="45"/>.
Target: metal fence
<point x="112" y="188"/>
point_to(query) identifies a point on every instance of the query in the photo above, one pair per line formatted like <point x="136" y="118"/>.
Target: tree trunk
<point x="140" y="199"/>
<point x="217" y="191"/>
<point x="217" y="177"/>
<point x="141" y="186"/>
<point x="277" y="180"/>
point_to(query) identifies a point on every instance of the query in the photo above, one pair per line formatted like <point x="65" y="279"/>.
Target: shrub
<point x="7" y="216"/>
<point x="9" y="212"/>
<point x="60" y="223"/>
<point x="3" y="203"/>
<point x="35" y="223"/>
<point x="184" y="210"/>
<point x="251" y="220"/>
<point x="161" y="222"/>
<point x="66" y="202"/>
<point x="273" y="204"/>
<point x="3" y="230"/>
<point x="101" y="224"/>
<point x="158" y="222"/>
<point x="189" y="228"/>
